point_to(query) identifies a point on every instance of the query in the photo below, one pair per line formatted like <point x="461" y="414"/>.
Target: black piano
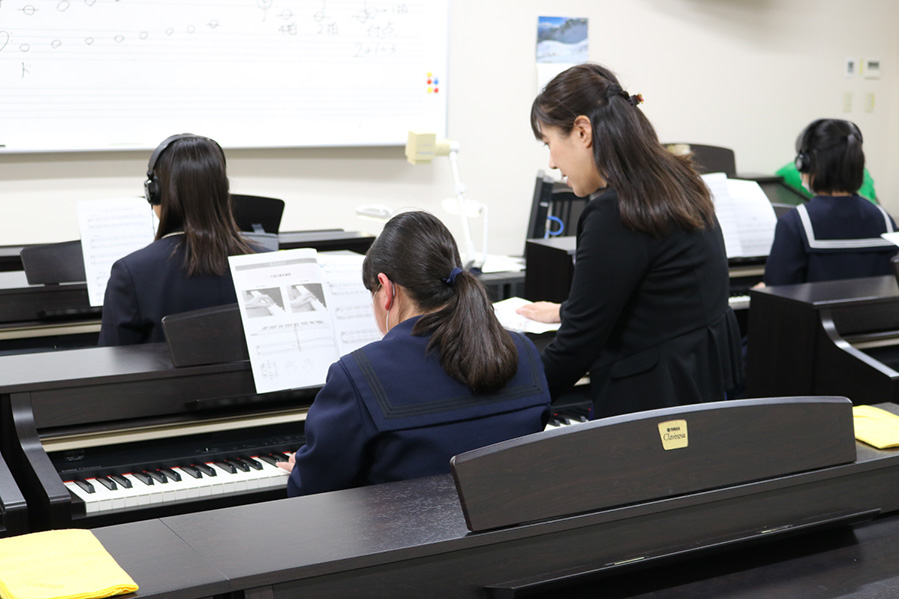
<point x="45" y="316"/>
<point x="832" y="337"/>
<point x="40" y="317"/>
<point x="114" y="434"/>
<point x="761" y="506"/>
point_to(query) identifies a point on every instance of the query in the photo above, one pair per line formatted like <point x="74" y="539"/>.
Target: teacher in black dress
<point x="647" y="315"/>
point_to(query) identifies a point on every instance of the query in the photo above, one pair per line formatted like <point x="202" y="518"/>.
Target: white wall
<point x="747" y="74"/>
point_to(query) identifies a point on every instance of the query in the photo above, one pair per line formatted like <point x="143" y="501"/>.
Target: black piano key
<point x="171" y="474"/>
<point x="121" y="480"/>
<point x="205" y="469"/>
<point x="85" y="485"/>
<point x="157" y="476"/>
<point x="227" y="467"/>
<point x="281" y="457"/>
<point x="192" y="471"/>
<point x="237" y="463"/>
<point x="270" y="459"/>
<point x="106" y="483"/>
<point x="252" y="463"/>
<point x="143" y="477"/>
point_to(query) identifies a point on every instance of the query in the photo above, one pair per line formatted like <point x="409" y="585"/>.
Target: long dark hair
<point x="195" y="199"/>
<point x="834" y="158"/>
<point x="657" y="190"/>
<point x="415" y="250"/>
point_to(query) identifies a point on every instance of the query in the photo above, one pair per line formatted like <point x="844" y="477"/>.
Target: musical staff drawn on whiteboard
<point x="269" y="73"/>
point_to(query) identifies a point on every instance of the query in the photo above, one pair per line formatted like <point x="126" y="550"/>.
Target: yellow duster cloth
<point x="59" y="564"/>
<point x="876" y="427"/>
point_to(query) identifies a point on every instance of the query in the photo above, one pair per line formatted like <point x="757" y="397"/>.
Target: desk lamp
<point x="422" y="148"/>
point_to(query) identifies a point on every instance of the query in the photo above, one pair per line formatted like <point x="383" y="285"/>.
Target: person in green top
<point x="793" y="178"/>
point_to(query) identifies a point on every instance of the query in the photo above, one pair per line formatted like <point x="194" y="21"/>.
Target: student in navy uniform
<point x="647" y="314"/>
<point x="836" y="235"/>
<point x="186" y="267"/>
<point x="446" y="378"/>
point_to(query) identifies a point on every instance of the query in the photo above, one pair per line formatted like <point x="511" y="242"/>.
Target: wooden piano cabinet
<point x="119" y="410"/>
<point x="810" y="339"/>
<point x="161" y="563"/>
<point x="13" y="509"/>
<point x="411" y="538"/>
<point x="49" y="502"/>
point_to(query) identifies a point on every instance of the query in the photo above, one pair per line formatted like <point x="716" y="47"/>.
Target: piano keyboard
<point x="117" y="492"/>
<point x="569" y="415"/>
<point x="152" y="467"/>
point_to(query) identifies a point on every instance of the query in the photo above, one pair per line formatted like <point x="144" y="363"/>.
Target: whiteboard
<point x="119" y="74"/>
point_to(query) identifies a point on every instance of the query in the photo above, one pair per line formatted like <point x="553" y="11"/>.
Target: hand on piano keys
<point x="179" y="483"/>
<point x="289" y="464"/>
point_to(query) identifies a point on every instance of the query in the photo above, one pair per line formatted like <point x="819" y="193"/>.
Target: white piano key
<point x="137" y="491"/>
<point x="87" y="498"/>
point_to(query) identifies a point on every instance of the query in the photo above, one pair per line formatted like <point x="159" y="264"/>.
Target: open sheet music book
<point x="301" y="311"/>
<point x="745" y="214"/>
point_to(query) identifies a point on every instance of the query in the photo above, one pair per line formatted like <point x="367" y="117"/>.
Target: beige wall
<point x="747" y="74"/>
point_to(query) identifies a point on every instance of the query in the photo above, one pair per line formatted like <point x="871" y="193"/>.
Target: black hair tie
<point x="451" y="279"/>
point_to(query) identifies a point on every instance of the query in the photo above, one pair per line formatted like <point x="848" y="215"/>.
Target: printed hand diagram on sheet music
<point x="301" y="311"/>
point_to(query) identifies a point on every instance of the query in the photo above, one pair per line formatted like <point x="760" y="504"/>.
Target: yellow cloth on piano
<point x="876" y="427"/>
<point x="59" y="564"/>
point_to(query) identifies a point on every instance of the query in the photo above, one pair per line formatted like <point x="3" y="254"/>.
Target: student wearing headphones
<point x="446" y="378"/>
<point x="647" y="313"/>
<point x="186" y="267"/>
<point x="836" y="235"/>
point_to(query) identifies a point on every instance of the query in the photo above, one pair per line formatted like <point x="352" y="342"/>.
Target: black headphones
<point x="803" y="160"/>
<point x="152" y="188"/>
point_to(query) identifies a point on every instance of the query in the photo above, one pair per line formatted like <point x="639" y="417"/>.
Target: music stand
<point x="53" y="263"/>
<point x="257" y="214"/>
<point x="708" y="159"/>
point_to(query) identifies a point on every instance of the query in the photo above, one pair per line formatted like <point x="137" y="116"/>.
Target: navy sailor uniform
<point x="830" y="237"/>
<point x="151" y="283"/>
<point x="389" y="411"/>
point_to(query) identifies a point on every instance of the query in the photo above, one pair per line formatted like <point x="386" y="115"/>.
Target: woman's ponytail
<point x="416" y="251"/>
<point x="474" y="347"/>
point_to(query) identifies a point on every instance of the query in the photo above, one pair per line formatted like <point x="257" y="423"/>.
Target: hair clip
<point x="636" y="100"/>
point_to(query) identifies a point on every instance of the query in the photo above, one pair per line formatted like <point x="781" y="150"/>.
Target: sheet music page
<point x="726" y="212"/>
<point x="111" y="229"/>
<point x="348" y="301"/>
<point x="512" y="321"/>
<point x="286" y="318"/>
<point x="756" y="219"/>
